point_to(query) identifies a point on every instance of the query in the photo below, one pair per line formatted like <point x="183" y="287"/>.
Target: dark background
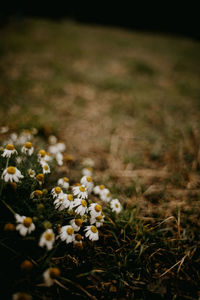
<point x="176" y="17"/>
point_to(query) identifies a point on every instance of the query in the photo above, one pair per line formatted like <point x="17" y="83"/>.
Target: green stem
<point x="8" y="206"/>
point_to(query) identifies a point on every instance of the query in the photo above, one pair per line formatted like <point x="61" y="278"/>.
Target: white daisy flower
<point x="76" y="224"/>
<point x="31" y="173"/>
<point x="81" y="206"/>
<point x="67" y="234"/>
<point x="98" y="221"/>
<point x="12" y="174"/>
<point x="57" y="192"/>
<point x="98" y="189"/>
<point x="4" y="129"/>
<point x="41" y="154"/>
<point x="80" y="191"/>
<point x="49" y="275"/>
<point x="13" y="137"/>
<point x="78" y="240"/>
<point x="28" y="148"/>
<point x="59" y="158"/>
<point x="89" y="162"/>
<point x="92" y="233"/>
<point x="36" y="194"/>
<point x="87" y="182"/>
<point x="53" y="149"/>
<point x="25" y="224"/>
<point x="116" y="206"/>
<point x="52" y="139"/>
<point x="64" y="201"/>
<point x="24" y="136"/>
<point x="64" y="182"/>
<point x="95" y="209"/>
<point x="9" y="150"/>
<point x="61" y="147"/>
<point x="105" y="195"/>
<point x="87" y="171"/>
<point x="18" y="160"/>
<point x="46" y="168"/>
<point x="47" y="239"/>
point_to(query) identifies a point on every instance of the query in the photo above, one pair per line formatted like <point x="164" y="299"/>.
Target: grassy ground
<point x="131" y="101"/>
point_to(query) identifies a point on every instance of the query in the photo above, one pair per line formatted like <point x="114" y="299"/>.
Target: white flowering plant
<point x="44" y="211"/>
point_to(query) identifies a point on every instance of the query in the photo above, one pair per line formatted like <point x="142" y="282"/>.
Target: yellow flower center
<point x="66" y="179"/>
<point x="9" y="227"/>
<point x="78" y="222"/>
<point x="10" y="147"/>
<point x="11" y="170"/>
<point x="54" y="272"/>
<point x="70" y="197"/>
<point x="116" y="205"/>
<point x="93" y="229"/>
<point x="78" y="237"/>
<point x="89" y="179"/>
<point x="57" y="190"/>
<point x="13" y="185"/>
<point x="26" y="265"/>
<point x="48" y="236"/>
<point x="28" y="145"/>
<point x="46" y="167"/>
<point x="38" y="193"/>
<point x="84" y="203"/>
<point x="99" y="218"/>
<point x="40" y="177"/>
<point x="42" y="153"/>
<point x="82" y="189"/>
<point x="108" y="195"/>
<point x="27" y="222"/>
<point x="102" y="187"/>
<point x="98" y="208"/>
<point x="70" y="230"/>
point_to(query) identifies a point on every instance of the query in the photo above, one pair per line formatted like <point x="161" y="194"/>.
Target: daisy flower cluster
<point x="68" y="213"/>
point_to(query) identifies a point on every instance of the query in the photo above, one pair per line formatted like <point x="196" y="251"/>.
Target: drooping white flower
<point x="12" y="174"/>
<point x="87" y="182"/>
<point x="25" y="224"/>
<point x="59" y="158"/>
<point x="28" y="148"/>
<point x="80" y="206"/>
<point x="61" y="147"/>
<point x="47" y="239"/>
<point x="80" y="191"/>
<point x="92" y="233"/>
<point x="9" y="150"/>
<point x="31" y="173"/>
<point x="64" y="182"/>
<point x="76" y="224"/>
<point x="64" y="201"/>
<point x="98" y="221"/>
<point x="78" y="240"/>
<point x="116" y="206"/>
<point x="95" y="209"/>
<point x="67" y="234"/>
<point x="57" y="192"/>
<point x="98" y="189"/>
<point x="105" y="195"/>
<point x="49" y="275"/>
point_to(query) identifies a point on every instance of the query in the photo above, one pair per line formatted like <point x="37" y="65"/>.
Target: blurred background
<point x="119" y="83"/>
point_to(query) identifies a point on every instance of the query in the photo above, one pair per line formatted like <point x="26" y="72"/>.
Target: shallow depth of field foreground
<point x="99" y="163"/>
